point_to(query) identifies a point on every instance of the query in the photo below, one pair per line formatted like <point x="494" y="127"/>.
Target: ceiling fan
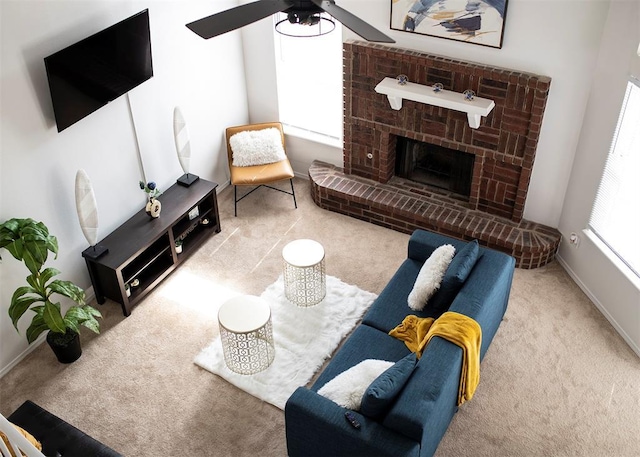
<point x="303" y="12"/>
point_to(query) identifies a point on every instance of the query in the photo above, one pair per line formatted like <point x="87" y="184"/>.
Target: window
<point x="309" y="81"/>
<point x="615" y="218"/>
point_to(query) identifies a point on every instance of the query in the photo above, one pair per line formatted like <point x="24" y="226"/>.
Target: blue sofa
<point x="420" y="414"/>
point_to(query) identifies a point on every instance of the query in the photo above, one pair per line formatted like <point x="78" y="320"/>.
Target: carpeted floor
<point x="557" y="380"/>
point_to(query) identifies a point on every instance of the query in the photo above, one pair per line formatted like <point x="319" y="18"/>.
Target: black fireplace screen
<point x="434" y="165"/>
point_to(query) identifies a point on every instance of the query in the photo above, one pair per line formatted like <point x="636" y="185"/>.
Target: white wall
<point x="556" y="38"/>
<point x="613" y="292"/>
<point x="38" y="164"/>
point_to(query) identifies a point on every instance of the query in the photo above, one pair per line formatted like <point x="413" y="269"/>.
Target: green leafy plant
<point x="30" y="242"/>
<point x="150" y="188"/>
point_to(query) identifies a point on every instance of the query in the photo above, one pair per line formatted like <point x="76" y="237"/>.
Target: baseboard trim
<point x="632" y="344"/>
<point x="223" y="186"/>
<point x="28" y="350"/>
<point x="90" y="296"/>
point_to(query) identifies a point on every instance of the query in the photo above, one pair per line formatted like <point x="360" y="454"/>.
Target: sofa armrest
<point x="316" y="426"/>
<point x="422" y="243"/>
<point x="56" y="435"/>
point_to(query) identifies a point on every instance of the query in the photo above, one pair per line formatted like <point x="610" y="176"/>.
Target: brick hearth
<point x="405" y="206"/>
<point x="504" y="147"/>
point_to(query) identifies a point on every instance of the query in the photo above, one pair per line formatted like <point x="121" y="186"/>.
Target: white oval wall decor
<point x="86" y="207"/>
<point x="181" y="136"/>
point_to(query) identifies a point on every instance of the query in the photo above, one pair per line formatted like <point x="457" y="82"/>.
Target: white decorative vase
<point x="153" y="207"/>
<point x="87" y="209"/>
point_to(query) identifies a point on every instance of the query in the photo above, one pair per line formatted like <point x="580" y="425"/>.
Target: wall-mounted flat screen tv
<point x="90" y="73"/>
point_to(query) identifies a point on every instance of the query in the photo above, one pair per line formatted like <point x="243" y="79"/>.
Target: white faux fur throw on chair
<point x="257" y="147"/>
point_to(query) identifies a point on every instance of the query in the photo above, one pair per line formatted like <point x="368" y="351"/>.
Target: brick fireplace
<point x="504" y="147"/>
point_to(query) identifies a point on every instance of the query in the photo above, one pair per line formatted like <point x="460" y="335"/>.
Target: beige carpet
<point x="557" y="380"/>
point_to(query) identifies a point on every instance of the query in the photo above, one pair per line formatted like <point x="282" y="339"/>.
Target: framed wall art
<point x="471" y="21"/>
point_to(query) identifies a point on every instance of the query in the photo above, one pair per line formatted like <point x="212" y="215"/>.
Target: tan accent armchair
<point x="258" y="175"/>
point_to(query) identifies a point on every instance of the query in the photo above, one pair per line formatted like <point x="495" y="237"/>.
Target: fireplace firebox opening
<point x="434" y="165"/>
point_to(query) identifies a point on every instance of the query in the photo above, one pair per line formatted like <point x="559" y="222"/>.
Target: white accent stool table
<point x="246" y="334"/>
<point x="304" y="273"/>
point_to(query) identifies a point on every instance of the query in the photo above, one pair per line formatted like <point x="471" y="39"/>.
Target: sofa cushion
<point x="388" y="310"/>
<point x="348" y="388"/>
<point x="383" y="391"/>
<point x="428" y="401"/>
<point x="364" y="343"/>
<point x="457" y="273"/>
<point x="430" y="277"/>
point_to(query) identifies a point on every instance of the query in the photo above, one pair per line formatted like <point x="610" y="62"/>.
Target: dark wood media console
<point x="142" y="251"/>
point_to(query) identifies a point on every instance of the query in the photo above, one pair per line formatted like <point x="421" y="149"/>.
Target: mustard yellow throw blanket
<point x="461" y="330"/>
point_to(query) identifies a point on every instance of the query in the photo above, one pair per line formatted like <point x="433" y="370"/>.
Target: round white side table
<point x="304" y="272"/>
<point x="246" y="334"/>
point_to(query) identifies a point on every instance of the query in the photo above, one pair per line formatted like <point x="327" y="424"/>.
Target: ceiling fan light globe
<point x="315" y="24"/>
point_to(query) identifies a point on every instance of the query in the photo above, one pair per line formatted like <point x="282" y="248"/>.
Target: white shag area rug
<point x="303" y="339"/>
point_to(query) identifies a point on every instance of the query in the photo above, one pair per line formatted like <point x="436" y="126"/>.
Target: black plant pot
<point x="66" y="346"/>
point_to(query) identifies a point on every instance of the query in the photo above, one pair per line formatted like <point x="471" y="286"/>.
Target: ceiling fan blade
<point x="237" y="17"/>
<point x="354" y="23"/>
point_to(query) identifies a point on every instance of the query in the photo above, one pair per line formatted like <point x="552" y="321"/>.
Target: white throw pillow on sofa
<point x="348" y="388"/>
<point x="430" y="276"/>
<point x="257" y="147"/>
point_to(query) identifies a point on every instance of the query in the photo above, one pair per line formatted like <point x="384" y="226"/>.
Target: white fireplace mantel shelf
<point x="445" y="98"/>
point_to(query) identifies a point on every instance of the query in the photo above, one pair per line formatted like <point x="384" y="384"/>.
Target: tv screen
<point x="90" y="73"/>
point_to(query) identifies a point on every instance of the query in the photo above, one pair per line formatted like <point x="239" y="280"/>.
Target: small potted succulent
<point x="30" y="242"/>
<point x="179" y="246"/>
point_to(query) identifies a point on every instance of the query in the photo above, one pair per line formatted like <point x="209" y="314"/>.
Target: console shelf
<point x="142" y="251"/>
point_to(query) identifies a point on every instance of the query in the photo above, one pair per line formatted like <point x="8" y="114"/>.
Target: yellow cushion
<point x="24" y="433"/>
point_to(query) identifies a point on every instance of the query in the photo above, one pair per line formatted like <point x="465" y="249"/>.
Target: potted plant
<point x="30" y="242"/>
<point x="179" y="246"/>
